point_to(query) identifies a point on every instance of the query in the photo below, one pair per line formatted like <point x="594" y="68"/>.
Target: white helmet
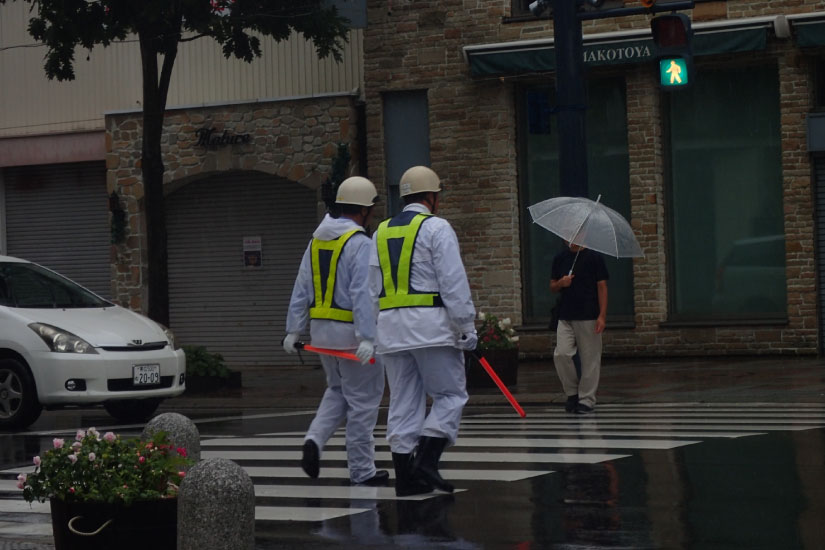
<point x="356" y="190"/>
<point x="419" y="179"/>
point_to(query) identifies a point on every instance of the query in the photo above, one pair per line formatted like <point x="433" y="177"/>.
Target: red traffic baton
<point x="332" y="352"/>
<point x="499" y="383"/>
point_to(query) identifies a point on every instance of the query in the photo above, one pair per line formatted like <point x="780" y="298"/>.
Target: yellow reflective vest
<point x="324" y="257"/>
<point x="395" y="239"/>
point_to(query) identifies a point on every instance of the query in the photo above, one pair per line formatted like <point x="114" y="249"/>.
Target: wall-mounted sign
<point x="252" y="252"/>
<point x="208" y="138"/>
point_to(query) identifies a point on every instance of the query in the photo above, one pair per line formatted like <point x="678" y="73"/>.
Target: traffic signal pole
<point x="571" y="98"/>
<point x="571" y="91"/>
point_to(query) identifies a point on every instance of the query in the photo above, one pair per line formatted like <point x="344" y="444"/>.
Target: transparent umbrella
<point x="587" y="223"/>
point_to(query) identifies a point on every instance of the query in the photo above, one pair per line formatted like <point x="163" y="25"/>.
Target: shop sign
<point x="208" y="138"/>
<point x="621" y="52"/>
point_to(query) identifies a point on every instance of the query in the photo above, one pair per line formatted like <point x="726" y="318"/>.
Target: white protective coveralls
<point x="418" y="344"/>
<point x="354" y="391"/>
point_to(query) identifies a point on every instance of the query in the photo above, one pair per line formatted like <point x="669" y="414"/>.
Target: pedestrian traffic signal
<point x="673" y="37"/>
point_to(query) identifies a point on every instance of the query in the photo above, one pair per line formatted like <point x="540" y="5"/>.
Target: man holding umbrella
<point x="581" y="277"/>
<point x="579" y="274"/>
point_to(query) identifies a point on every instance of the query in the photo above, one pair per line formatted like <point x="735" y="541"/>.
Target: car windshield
<point x="27" y="285"/>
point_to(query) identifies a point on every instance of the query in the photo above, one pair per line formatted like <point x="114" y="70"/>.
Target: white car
<point x="61" y="345"/>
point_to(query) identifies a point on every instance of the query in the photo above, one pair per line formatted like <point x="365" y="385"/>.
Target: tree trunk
<point x="155" y="90"/>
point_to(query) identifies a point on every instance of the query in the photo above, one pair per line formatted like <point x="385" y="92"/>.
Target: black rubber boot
<point x="426" y="460"/>
<point x="311" y="460"/>
<point x="406" y="482"/>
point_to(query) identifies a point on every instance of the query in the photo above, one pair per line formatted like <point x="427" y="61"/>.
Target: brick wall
<point x="474" y="148"/>
<point x="295" y="140"/>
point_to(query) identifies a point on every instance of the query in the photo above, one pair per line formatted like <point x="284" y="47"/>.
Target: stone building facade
<point x="476" y="144"/>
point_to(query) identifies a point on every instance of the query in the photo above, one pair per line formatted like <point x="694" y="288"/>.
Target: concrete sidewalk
<point x="790" y="380"/>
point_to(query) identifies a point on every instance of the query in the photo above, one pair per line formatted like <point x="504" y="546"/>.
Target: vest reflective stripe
<point x="396" y="270"/>
<point x="324" y="307"/>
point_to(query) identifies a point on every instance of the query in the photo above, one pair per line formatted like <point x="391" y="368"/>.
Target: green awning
<point x="809" y="35"/>
<point x="539" y="56"/>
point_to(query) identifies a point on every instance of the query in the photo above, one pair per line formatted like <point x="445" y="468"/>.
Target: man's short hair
<point x="415" y="197"/>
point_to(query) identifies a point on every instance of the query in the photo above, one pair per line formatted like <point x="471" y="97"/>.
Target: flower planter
<point x="143" y="524"/>
<point x="503" y="361"/>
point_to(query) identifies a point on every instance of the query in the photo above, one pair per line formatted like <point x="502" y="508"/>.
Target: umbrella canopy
<point x="589" y="224"/>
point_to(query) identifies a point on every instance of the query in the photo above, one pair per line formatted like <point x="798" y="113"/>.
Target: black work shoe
<point x="571" y="404"/>
<point x="581" y="408"/>
<point x="380" y="479"/>
<point x="311" y="461"/>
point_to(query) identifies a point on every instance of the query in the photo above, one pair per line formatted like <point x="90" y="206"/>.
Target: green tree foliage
<point x="63" y="26"/>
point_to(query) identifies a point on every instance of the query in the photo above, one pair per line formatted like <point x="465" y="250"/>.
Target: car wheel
<point x="136" y="410"/>
<point x="19" y="406"/>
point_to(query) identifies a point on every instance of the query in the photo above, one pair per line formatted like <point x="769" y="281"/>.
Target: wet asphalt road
<point x="755" y="491"/>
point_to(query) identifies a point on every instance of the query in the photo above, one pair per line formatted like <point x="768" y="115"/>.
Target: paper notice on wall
<point x="252" y="252"/>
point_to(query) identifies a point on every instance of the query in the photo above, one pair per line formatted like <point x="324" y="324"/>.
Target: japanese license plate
<point x="145" y="375"/>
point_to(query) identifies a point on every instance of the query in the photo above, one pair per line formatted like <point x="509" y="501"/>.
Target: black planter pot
<point x="503" y="361"/>
<point x="145" y="524"/>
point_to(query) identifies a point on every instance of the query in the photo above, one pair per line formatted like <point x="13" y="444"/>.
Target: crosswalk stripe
<point x="352" y="492"/>
<point x="574" y="431"/>
<point x="449" y="456"/>
<point x="343" y="473"/>
<point x="25" y="529"/>
<point x="35" y="507"/>
<point x="471" y="441"/>
<point x="680" y="414"/>
<point x="297" y="513"/>
<point x="651" y="419"/>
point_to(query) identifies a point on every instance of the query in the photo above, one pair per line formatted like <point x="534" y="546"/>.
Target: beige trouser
<point x="572" y="336"/>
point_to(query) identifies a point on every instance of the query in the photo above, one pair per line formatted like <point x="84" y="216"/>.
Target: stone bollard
<point x="216" y="507"/>
<point x="182" y="432"/>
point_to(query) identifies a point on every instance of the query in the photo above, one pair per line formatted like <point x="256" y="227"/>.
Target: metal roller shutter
<point x="215" y="301"/>
<point x="57" y="215"/>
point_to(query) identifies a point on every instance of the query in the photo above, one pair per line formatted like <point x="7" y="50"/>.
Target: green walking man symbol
<point x="675" y="72"/>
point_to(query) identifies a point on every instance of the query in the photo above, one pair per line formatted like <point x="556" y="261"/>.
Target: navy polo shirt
<point x="579" y="301"/>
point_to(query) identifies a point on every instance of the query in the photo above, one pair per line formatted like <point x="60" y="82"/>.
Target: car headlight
<point x="62" y="341"/>
<point x="170" y="336"/>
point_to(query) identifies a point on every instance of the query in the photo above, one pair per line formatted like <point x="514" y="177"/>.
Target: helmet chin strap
<point x="431" y="201"/>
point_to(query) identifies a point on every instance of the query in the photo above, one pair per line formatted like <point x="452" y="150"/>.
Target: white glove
<point x="468" y="341"/>
<point x="289" y="342"/>
<point x="365" y="351"/>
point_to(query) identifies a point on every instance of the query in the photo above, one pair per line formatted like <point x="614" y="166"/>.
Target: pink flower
<point x="72" y="458"/>
<point x="36" y="461"/>
<point x="142" y="459"/>
<point x="58" y="443"/>
<point x="71" y="490"/>
<point x="20" y="485"/>
<point x="182" y="452"/>
<point x="80" y="435"/>
<point x="21" y="477"/>
<point x="92" y="457"/>
<point x="109" y="437"/>
<point x="181" y="474"/>
<point x="77" y="445"/>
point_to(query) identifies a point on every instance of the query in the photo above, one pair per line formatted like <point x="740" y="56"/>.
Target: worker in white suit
<point x="331" y="294"/>
<point x="425" y="322"/>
